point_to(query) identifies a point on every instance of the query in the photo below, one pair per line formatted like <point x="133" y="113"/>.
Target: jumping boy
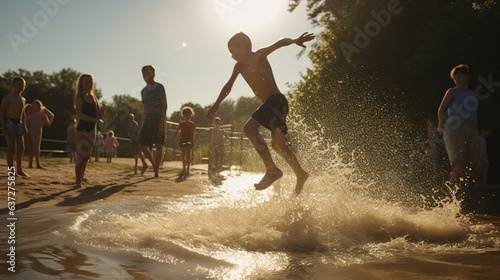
<point x="154" y="101"/>
<point x="13" y="120"/>
<point x="257" y="72"/>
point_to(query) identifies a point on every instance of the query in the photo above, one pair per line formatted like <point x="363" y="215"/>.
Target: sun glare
<point x="249" y="14"/>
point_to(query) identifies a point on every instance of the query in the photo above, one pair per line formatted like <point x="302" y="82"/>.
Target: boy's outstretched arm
<point x="305" y="37"/>
<point x="223" y="93"/>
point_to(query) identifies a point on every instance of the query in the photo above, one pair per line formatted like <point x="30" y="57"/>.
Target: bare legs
<point x="15" y="145"/>
<point x="462" y="172"/>
<point x="464" y="168"/>
<point x="186" y="158"/>
<point x="158" y="157"/>
<point x="138" y="154"/>
<point x="84" y="145"/>
<point x="273" y="173"/>
<point x="36" y="139"/>
<point x="149" y="155"/>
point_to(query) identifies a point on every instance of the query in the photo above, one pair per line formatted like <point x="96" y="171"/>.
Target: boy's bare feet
<point x="143" y="169"/>
<point x="22" y="173"/>
<point x="269" y="178"/>
<point x="301" y="179"/>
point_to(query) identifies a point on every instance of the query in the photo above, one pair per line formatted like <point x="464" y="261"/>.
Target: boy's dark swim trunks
<point x="272" y="114"/>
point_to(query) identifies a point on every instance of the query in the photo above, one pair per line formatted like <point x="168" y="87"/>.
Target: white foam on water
<point x="233" y="231"/>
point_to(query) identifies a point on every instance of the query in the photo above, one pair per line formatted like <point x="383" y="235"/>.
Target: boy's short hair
<point x="149" y="67"/>
<point x="186" y="109"/>
<point x="461" y="68"/>
<point x="18" y="79"/>
<point x="239" y="39"/>
<point x="38" y="102"/>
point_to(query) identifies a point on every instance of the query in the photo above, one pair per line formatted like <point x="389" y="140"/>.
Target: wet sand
<point x="55" y="185"/>
<point x="47" y="202"/>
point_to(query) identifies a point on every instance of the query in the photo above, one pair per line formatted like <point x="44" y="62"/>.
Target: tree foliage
<point x="117" y="112"/>
<point x="381" y="67"/>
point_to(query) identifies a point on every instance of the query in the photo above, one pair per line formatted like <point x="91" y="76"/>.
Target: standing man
<point x="154" y="101"/>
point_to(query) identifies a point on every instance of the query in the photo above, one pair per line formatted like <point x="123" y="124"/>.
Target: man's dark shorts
<point x="272" y="114"/>
<point x="150" y="133"/>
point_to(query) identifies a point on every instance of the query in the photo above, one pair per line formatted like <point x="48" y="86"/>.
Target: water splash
<point x="234" y="230"/>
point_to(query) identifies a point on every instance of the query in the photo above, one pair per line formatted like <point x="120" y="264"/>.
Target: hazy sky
<point x="184" y="39"/>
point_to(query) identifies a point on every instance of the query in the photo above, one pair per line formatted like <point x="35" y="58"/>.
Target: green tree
<point x="117" y="111"/>
<point x="380" y="69"/>
<point x="243" y="109"/>
<point x="4" y="87"/>
<point x="199" y="117"/>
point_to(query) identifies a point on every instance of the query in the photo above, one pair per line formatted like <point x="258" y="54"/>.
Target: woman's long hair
<point x="79" y="86"/>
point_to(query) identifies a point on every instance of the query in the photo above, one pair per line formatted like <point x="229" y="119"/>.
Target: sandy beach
<point x="47" y="204"/>
<point x="54" y="185"/>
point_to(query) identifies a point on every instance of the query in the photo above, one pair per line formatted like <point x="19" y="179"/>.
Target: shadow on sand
<point x="87" y="194"/>
<point x="90" y="194"/>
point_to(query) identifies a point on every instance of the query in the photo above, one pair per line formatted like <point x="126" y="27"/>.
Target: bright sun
<point x="249" y="14"/>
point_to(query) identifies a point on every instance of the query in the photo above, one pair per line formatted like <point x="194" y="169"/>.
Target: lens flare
<point x="248" y="15"/>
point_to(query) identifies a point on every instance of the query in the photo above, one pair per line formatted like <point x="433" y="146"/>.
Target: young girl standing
<point x="89" y="114"/>
<point x="39" y="117"/>
<point x="186" y="139"/>
<point x="110" y="143"/>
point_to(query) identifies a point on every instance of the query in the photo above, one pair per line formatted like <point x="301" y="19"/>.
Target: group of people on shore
<point x="186" y="132"/>
<point x="457" y="120"/>
<point x="255" y="69"/>
<point x="252" y="65"/>
<point x="102" y="145"/>
<point x="22" y="123"/>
